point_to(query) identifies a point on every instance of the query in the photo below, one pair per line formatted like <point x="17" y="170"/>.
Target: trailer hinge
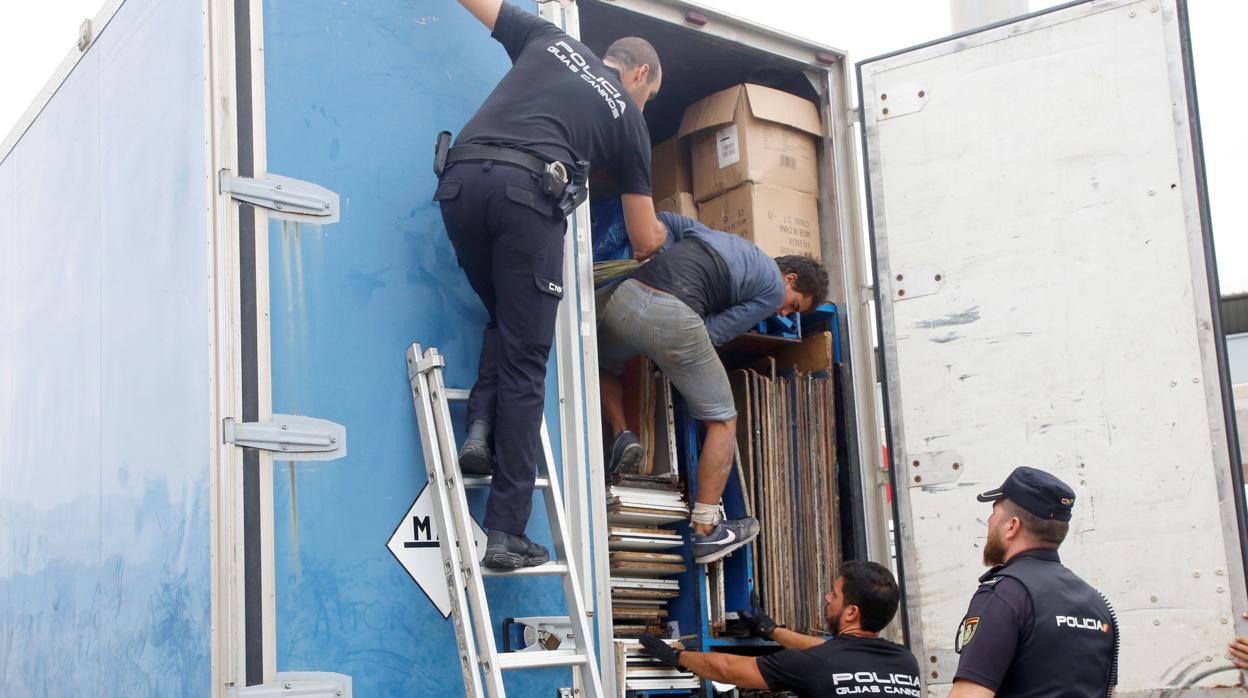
<point x="285" y="197"/>
<point x="293" y="436"/>
<point x="299" y="684"/>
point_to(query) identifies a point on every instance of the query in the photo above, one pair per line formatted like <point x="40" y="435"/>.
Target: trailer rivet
<point x="885" y="111"/>
<point x="333" y="439"/>
<point x="279" y="206"/>
<point x="1132" y="15"/>
<point x="1196" y="574"/>
<point x="285" y="447"/>
<point x="1220" y="590"/>
<point x="938" y="277"/>
<point x="1153" y="8"/>
<point x="900" y="277"/>
<point x="915" y="464"/>
<point x="1173" y="383"/>
<point x="901" y="291"/>
<point x="278" y="187"/>
<point x="932" y="659"/>
<point x="922" y="94"/>
<point x="1152" y="193"/>
<point x="935" y="674"/>
<point x="918" y="478"/>
<point x="1225" y="621"/>
<point x="1153" y="599"/>
<point x="1156" y="622"/>
<point x="327" y="204"/>
<point x="1208" y="658"/>
<point x="1219" y="572"/>
<point x="283" y="427"/>
<point x="957" y="465"/>
<point x="1195" y="380"/>
<point x="338" y="692"/>
<point x="286" y="685"/>
<point x="884" y="97"/>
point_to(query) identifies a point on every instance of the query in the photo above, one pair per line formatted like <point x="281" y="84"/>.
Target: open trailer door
<point x="1046" y="296"/>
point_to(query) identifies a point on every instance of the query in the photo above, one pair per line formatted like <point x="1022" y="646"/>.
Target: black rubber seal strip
<point x="253" y="606"/>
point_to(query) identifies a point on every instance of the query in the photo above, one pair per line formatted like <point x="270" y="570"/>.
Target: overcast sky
<point x="36" y="36"/>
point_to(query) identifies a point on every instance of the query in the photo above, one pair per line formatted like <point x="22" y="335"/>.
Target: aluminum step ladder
<point x="470" y="609"/>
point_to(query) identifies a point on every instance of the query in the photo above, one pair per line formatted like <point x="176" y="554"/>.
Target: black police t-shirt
<point x="844" y="666"/>
<point x="560" y="102"/>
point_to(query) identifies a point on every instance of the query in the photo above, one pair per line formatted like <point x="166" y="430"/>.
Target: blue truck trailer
<point x="217" y="239"/>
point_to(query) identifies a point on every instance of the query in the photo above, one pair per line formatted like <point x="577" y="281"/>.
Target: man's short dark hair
<point x="1047" y="531"/>
<point x="812" y="278"/>
<point x="634" y="52"/>
<point x="872" y="588"/>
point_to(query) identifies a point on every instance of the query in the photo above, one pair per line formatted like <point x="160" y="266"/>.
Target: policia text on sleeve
<point x="505" y="187"/>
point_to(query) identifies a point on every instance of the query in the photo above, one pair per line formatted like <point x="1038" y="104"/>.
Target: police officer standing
<point x="1034" y="628"/>
<point x="517" y="169"/>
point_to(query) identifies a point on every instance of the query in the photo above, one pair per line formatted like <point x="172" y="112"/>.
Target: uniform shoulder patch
<point x="991" y="582"/>
<point x="966" y="633"/>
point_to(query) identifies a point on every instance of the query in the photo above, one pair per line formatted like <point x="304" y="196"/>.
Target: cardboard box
<point x="780" y="221"/>
<point x="751" y="133"/>
<point x="670" y="171"/>
<point x="681" y="202"/>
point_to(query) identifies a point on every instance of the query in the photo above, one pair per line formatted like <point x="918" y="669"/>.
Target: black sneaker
<point x="626" y="453"/>
<point x="475" y="456"/>
<point x="727" y="536"/>
<point x="508" y="551"/>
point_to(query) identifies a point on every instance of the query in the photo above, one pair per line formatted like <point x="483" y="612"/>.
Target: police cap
<point x="1035" y="491"/>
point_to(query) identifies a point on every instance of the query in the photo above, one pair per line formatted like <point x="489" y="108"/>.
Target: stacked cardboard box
<point x="671" y="178"/>
<point x="753" y="159"/>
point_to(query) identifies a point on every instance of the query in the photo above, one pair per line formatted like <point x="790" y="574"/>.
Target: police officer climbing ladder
<point x="516" y="171"/>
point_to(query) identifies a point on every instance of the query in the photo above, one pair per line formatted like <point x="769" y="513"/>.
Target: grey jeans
<point x="642" y="320"/>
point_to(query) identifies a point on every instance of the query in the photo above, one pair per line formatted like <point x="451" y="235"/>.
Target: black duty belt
<point x="567" y="186"/>
<point x="480" y="153"/>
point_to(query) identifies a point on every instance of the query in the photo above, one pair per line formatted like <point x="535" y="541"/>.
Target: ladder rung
<point x="470" y="481"/>
<point x="457" y="394"/>
<point x="539" y="659"/>
<point x="549" y="569"/>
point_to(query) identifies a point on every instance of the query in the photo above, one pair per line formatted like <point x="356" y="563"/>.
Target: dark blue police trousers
<point x="509" y="241"/>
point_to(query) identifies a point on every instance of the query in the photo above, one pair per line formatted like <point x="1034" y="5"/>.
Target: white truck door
<point x="1044" y="278"/>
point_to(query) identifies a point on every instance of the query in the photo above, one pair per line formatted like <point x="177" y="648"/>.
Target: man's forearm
<point x="723" y="667"/>
<point x="794" y="640"/>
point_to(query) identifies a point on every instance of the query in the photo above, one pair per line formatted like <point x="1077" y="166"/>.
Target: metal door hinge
<point x="293" y="436"/>
<point x="299" y="684"/>
<point x="284" y="197"/>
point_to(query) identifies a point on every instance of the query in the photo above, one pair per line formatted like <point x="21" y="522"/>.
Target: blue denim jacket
<point x="757" y="286"/>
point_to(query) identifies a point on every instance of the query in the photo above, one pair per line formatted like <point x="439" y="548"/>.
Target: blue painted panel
<point x="105" y="564"/>
<point x="355" y="93"/>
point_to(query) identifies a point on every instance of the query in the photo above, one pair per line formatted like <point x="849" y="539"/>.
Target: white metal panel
<point x="1037" y="225"/>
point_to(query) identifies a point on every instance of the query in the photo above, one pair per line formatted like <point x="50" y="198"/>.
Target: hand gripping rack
<point x="474" y="631"/>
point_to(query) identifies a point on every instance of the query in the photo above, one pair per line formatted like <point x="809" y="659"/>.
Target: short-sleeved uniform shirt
<point x="999" y="621"/>
<point x="560" y="102"/>
<point x="843" y="666"/>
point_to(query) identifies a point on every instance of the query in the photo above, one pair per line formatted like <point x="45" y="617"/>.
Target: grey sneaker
<point x="727" y="536"/>
<point x="626" y="453"/>
<point x="508" y="551"/>
<point x="475" y="456"/>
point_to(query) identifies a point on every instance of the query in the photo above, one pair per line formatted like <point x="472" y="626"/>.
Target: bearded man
<point x="855" y="660"/>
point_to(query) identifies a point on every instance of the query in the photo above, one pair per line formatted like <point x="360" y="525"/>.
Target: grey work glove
<point x="654" y="646"/>
<point x="759" y="623"/>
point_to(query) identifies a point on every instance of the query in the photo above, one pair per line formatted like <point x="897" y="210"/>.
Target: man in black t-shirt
<point x="558" y="106"/>
<point x="855" y="661"/>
